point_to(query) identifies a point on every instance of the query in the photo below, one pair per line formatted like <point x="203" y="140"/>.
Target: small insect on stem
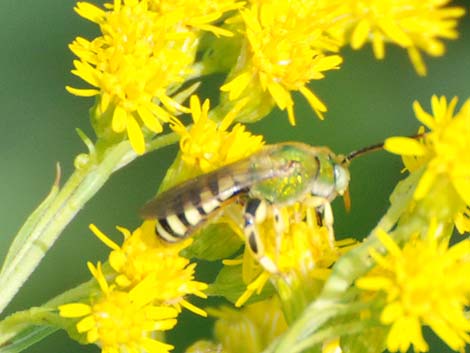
<point x="277" y="175"/>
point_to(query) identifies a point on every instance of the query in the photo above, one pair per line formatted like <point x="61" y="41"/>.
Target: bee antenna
<point x="377" y="147"/>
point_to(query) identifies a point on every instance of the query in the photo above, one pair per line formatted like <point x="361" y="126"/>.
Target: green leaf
<point x="229" y="284"/>
<point x="27" y="338"/>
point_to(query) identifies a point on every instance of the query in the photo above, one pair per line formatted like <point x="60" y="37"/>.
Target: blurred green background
<point x="368" y="100"/>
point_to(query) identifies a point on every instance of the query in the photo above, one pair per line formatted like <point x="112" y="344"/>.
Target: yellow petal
<point x="360" y="33"/>
<point x="154" y="346"/>
<point x="462" y="185"/>
<point x="74" y="310"/>
<point x="395" y="33"/>
<point x="119" y="120"/>
<point x="378" y="46"/>
<point x="82" y="92"/>
<point x="86" y="72"/>
<point x="103" y="237"/>
<point x="422" y="116"/>
<point x="405" y="146"/>
<point x="89" y="11"/>
<point x="86" y="324"/>
<point x="193" y="308"/>
<point x="237" y="85"/>
<point x="161" y="312"/>
<point x="280" y="95"/>
<point x="313" y="100"/>
<point x="150" y="121"/>
<point x="424" y="185"/>
<point x="136" y="137"/>
<point x="417" y="61"/>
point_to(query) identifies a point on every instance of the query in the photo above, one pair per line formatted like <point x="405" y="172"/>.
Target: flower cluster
<point x="141" y="293"/>
<point x="287" y="44"/>
<point x="444" y="153"/>
<point x="149" y="49"/>
<point x="413" y="25"/>
<point x="424" y="284"/>
<point x="145" y="53"/>
<point x="302" y="250"/>
<point x="208" y="145"/>
<point x="149" y="58"/>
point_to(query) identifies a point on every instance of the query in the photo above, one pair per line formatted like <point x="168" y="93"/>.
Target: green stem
<point x="44" y="228"/>
<point x="327" y="333"/>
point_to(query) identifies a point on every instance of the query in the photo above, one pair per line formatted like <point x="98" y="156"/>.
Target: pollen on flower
<point x="208" y="145"/>
<point x="145" y="264"/>
<point x="287" y="45"/>
<point x="425" y="284"/>
<point x="136" y="61"/>
<point x="121" y="321"/>
<point x="414" y="25"/>
<point x="444" y="152"/>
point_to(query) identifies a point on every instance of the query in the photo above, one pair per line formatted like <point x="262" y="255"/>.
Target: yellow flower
<point x="133" y="65"/>
<point x="146" y="264"/>
<point x="425" y="284"/>
<point x="208" y="145"/>
<point x="285" y="51"/>
<point x="302" y="249"/>
<point x="251" y="329"/>
<point x="444" y="151"/>
<point x="120" y="321"/>
<point x="196" y="14"/>
<point x="414" y="25"/>
<point x="303" y="246"/>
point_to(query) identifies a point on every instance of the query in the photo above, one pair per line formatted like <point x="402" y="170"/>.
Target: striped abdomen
<point x="182" y="209"/>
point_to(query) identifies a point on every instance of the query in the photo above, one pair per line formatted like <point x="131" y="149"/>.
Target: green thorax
<point x="298" y="169"/>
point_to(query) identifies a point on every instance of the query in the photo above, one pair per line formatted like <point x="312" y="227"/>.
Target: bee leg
<point x="325" y="217"/>
<point x="279" y="227"/>
<point x="255" y="213"/>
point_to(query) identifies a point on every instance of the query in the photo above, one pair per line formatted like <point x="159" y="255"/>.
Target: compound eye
<point x="341" y="178"/>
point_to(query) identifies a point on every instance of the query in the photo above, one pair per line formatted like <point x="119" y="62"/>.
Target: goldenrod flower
<point x="121" y="321"/>
<point x="425" y="284"/>
<point x="302" y="249"/>
<point x="208" y="145"/>
<point x="416" y="25"/>
<point x="285" y="51"/>
<point x="144" y="263"/>
<point x="196" y="14"/>
<point x="444" y="151"/>
<point x="303" y="246"/>
<point x="133" y="65"/>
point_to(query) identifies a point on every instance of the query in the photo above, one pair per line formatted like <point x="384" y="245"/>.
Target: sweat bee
<point x="277" y="175"/>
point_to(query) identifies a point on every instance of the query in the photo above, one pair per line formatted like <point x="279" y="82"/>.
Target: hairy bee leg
<point x="255" y="213"/>
<point x="327" y="220"/>
<point x="324" y="215"/>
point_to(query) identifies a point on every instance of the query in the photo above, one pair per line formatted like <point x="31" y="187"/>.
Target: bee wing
<point x="213" y="188"/>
